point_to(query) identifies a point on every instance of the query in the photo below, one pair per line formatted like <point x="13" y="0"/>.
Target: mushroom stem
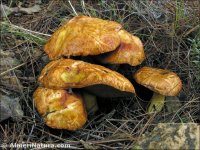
<point x="90" y="103"/>
<point x="156" y="103"/>
<point x="70" y="90"/>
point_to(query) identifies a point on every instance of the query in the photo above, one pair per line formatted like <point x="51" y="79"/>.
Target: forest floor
<point x="170" y="32"/>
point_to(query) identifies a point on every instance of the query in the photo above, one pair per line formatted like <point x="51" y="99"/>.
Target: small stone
<point x="10" y="107"/>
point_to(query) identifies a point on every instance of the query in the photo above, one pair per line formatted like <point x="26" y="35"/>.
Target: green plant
<point x="28" y="35"/>
<point x="195" y="53"/>
<point x="179" y="12"/>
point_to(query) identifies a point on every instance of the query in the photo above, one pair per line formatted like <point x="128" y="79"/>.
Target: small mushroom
<point x="161" y="82"/>
<point x="69" y="73"/>
<point x="83" y="36"/>
<point x="60" y="109"/>
<point x="130" y="51"/>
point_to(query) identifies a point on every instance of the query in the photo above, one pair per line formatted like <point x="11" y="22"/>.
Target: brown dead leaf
<point x="6" y="11"/>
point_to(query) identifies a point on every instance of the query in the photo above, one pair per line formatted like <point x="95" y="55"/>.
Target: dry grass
<point x="169" y="31"/>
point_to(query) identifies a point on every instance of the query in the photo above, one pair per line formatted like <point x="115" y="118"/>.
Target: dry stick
<point x="72" y="8"/>
<point x="189" y="102"/>
<point x="27" y="30"/>
<point x="3" y="130"/>
<point x="106" y="146"/>
<point x="78" y="142"/>
<point x="7" y="71"/>
<point x="84" y="8"/>
<point x="29" y="135"/>
<point x="190" y="116"/>
<point x="136" y="126"/>
<point x="57" y="137"/>
<point x="191" y="30"/>
<point x="124" y="120"/>
<point x="21" y="134"/>
<point x="109" y="141"/>
<point x="145" y="126"/>
<point x="120" y="128"/>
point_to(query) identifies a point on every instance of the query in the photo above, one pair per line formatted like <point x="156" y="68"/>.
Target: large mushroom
<point x="161" y="82"/>
<point x="60" y="109"/>
<point x="82" y="36"/>
<point x="69" y="73"/>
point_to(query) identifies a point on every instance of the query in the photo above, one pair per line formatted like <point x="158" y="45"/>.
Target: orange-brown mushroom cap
<point x="69" y="73"/>
<point x="130" y="51"/>
<point x="83" y="36"/>
<point x="60" y="109"/>
<point x="161" y="81"/>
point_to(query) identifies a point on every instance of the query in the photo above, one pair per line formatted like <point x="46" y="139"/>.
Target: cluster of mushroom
<point x="84" y="36"/>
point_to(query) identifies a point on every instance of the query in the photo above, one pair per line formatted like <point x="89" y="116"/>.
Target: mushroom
<point x="63" y="110"/>
<point x="69" y="73"/>
<point x="130" y="51"/>
<point x="161" y="82"/>
<point x="83" y="36"/>
<point x="60" y="109"/>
